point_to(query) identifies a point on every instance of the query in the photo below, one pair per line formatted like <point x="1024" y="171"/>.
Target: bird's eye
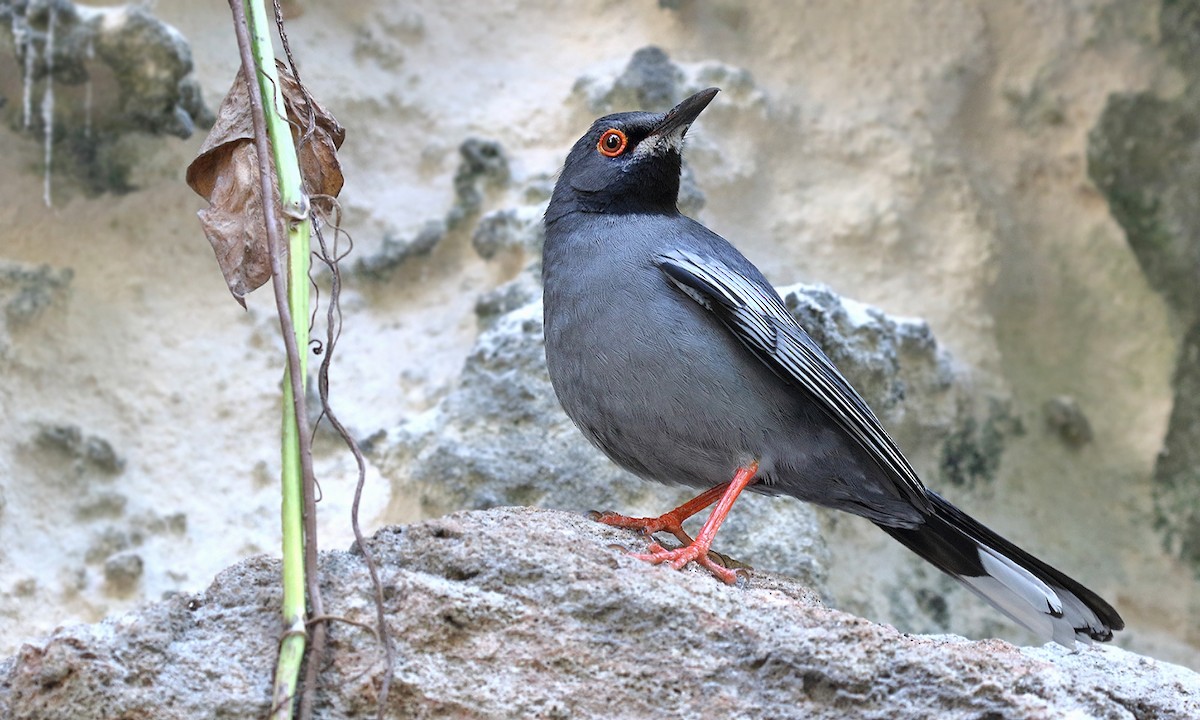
<point x="612" y="142"/>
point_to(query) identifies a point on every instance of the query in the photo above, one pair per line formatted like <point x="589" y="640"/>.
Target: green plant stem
<point x="287" y="168"/>
<point x="295" y="463"/>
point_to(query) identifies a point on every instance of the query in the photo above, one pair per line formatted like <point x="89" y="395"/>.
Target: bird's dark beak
<point x="679" y="119"/>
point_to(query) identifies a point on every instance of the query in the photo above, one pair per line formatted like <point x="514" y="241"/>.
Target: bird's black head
<point x="627" y="163"/>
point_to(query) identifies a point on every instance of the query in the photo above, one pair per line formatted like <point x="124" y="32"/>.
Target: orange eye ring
<point x="612" y="143"/>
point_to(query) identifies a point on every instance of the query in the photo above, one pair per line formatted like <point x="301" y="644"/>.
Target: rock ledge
<point x="515" y="612"/>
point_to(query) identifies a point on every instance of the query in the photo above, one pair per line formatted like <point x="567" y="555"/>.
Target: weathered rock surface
<point x="25" y="293"/>
<point x="515" y="612"/>
<point x="1144" y="155"/>
<point x="111" y="70"/>
<point x="482" y="165"/>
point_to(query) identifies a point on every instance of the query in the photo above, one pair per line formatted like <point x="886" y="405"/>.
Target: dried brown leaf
<point x="317" y="149"/>
<point x="225" y="173"/>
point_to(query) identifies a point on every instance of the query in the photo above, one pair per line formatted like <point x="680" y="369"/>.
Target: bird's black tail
<point x="1024" y="588"/>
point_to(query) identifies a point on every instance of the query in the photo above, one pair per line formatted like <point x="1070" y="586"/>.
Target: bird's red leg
<point x="672" y="521"/>
<point x="697" y="550"/>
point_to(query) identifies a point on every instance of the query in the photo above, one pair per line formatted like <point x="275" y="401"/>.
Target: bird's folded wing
<point x="754" y="313"/>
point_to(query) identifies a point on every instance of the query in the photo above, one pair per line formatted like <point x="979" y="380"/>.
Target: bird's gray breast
<point x="647" y="374"/>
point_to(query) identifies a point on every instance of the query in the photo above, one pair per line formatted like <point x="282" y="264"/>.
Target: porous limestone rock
<point x="95" y="74"/>
<point x="528" y="613"/>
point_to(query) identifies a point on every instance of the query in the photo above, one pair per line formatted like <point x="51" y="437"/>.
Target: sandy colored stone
<point x="515" y="612"/>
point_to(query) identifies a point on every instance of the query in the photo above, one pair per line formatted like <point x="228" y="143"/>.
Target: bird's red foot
<point x="713" y="560"/>
<point x="648" y="526"/>
<point x="671" y="522"/>
<point x="693" y="552"/>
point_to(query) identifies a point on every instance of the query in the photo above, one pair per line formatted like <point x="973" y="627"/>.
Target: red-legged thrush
<point x="676" y="357"/>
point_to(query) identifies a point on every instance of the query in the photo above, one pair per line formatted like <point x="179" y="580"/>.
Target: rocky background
<point x="1019" y="176"/>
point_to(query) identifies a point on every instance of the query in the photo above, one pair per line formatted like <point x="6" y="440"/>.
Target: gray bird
<point x="674" y="355"/>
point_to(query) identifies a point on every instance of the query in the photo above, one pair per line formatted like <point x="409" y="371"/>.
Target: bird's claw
<point x="679" y="557"/>
<point x="714" y="562"/>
